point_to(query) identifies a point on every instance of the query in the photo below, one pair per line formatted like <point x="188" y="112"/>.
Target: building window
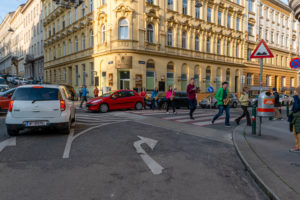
<point x="170" y="37"/>
<point x="228" y="49"/>
<point x="83" y="75"/>
<point x="249" y="79"/>
<point x="209" y="14"/>
<point x="150" y="1"/>
<point x="207" y="78"/>
<point x="228" y="21"/>
<point x="208" y="45"/>
<point x="91" y="6"/>
<point x="83" y="42"/>
<point x="197" y="12"/>
<point x="238" y="1"/>
<point x="268" y="81"/>
<point x="183" y="40"/>
<point x="184" y="7"/>
<point x="70" y="46"/>
<point x="83" y="9"/>
<point x="219" y="18"/>
<point x="248" y="54"/>
<point x="103" y="2"/>
<point x="272" y="37"/>
<point x="150" y="33"/>
<point x="292" y="82"/>
<point x="76" y="44"/>
<point x="54" y="75"/>
<point x="266" y="35"/>
<point x="63" y="22"/>
<point x="70" y="17"/>
<point x="75" y="12"/>
<point x="77" y="75"/>
<point x="218" y="47"/>
<point x="197" y="43"/>
<point x="237" y="50"/>
<point x="53" y="29"/>
<point x="123" y="30"/>
<point x="238" y="24"/>
<point x="282" y="81"/>
<point x="92" y="73"/>
<point x="64" y="44"/>
<point x="250" y="5"/>
<point x="91" y="38"/>
<point x="103" y="34"/>
<point x="250" y="29"/>
<point x="170" y="5"/>
<point x="59" y="51"/>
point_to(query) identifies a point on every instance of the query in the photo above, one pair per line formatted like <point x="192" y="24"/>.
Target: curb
<point x="252" y="173"/>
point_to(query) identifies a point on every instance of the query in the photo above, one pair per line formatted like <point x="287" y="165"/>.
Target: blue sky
<point x="11" y="5"/>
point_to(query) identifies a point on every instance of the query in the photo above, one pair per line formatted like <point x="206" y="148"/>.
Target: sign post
<point x="262" y="51"/>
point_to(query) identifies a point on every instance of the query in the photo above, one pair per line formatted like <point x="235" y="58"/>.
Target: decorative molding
<point x="123" y="11"/>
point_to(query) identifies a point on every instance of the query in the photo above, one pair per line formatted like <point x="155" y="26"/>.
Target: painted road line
<point x="8" y="142"/>
<point x="199" y="119"/>
<point x="185" y="116"/>
<point x="206" y="123"/>
<point x="155" y="168"/>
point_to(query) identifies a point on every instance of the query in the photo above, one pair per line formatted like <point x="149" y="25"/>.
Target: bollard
<point x="287" y="109"/>
<point x="253" y="119"/>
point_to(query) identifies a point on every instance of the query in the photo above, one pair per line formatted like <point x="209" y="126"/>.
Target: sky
<point x="11" y="5"/>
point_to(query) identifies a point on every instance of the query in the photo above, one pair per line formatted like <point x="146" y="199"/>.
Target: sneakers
<point x="295" y="149"/>
<point x="168" y="112"/>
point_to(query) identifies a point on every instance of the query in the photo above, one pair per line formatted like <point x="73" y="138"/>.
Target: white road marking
<point x="152" y="164"/>
<point x="8" y="142"/>
<point x="218" y="121"/>
<point x="72" y="137"/>
<point x="200" y="119"/>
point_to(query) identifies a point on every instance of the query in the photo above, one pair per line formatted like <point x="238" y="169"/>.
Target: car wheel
<point x="12" y="132"/>
<point x="234" y="104"/>
<point x="138" y="106"/>
<point x="103" y="108"/>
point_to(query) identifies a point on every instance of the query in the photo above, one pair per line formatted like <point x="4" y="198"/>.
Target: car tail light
<point x="62" y="105"/>
<point x="10" y="106"/>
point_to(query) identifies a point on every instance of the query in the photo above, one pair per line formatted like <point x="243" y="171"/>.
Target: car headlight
<point x="97" y="101"/>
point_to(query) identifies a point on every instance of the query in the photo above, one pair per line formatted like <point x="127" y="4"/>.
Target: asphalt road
<point x="99" y="161"/>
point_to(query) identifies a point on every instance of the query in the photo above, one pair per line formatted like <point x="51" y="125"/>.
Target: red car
<point x="5" y="98"/>
<point x="117" y="100"/>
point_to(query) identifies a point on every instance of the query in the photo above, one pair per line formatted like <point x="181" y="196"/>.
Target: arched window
<point x="76" y="44"/>
<point x="123" y="30"/>
<point x="183" y="39"/>
<point x="197" y="43"/>
<point x="91" y="38"/>
<point x="170" y="37"/>
<point x="103" y="34"/>
<point x="150" y="75"/>
<point x="208" y="45"/>
<point x="83" y="41"/>
<point x="150" y="33"/>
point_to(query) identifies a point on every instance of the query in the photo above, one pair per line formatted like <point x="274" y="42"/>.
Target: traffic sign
<point x="262" y="51"/>
<point x="210" y="89"/>
<point x="295" y="63"/>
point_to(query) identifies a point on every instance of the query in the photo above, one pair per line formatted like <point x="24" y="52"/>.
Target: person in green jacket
<point x="221" y="95"/>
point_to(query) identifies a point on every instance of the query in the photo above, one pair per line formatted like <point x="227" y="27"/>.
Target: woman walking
<point x="170" y="99"/>
<point x="294" y="119"/>
<point x="244" y="99"/>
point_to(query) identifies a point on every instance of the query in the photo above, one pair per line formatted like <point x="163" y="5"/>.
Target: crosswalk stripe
<point x="199" y="119"/>
<point x="206" y="123"/>
<point x="185" y="116"/>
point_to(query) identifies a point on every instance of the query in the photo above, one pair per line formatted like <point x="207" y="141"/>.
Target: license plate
<point x="35" y="123"/>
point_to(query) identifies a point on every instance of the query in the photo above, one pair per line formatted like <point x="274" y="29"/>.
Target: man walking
<point x="84" y="94"/>
<point x="191" y="90"/>
<point x="277" y="105"/>
<point x="221" y="96"/>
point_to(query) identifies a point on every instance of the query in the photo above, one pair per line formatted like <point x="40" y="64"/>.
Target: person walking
<point x="294" y="119"/>
<point x="84" y="95"/>
<point x="155" y="99"/>
<point x="96" y="92"/>
<point x="221" y="96"/>
<point x="277" y="105"/>
<point x="170" y="99"/>
<point x="244" y="100"/>
<point x="191" y="90"/>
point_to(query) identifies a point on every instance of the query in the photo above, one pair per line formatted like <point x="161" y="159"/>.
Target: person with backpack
<point x="294" y="119"/>
<point x="277" y="105"/>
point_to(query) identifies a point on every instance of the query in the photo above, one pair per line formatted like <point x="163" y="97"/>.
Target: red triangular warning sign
<point x="262" y="51"/>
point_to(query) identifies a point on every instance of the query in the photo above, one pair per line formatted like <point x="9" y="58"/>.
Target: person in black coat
<point x="277" y="105"/>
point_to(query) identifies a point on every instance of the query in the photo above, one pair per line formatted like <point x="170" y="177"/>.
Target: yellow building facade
<point x="125" y="44"/>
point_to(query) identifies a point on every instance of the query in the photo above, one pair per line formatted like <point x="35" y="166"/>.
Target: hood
<point x="94" y="99"/>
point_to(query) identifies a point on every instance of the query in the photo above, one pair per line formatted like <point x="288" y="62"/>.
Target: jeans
<point x="245" y="113"/>
<point x="83" y="98"/>
<point x="170" y="103"/>
<point x="193" y="106"/>
<point x="221" y="110"/>
<point x="153" y="104"/>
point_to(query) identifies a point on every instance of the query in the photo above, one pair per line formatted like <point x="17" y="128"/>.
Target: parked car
<point x="116" y="100"/>
<point x="2" y="80"/>
<point x="3" y="87"/>
<point x="204" y="103"/>
<point x="5" y="98"/>
<point x="40" y="107"/>
<point x="22" y="81"/>
<point x="180" y="100"/>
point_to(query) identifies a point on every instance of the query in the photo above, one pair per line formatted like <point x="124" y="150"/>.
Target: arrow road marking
<point x="9" y="142"/>
<point x="152" y="164"/>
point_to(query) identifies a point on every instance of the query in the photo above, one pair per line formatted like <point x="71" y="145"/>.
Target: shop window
<point x="150" y="75"/>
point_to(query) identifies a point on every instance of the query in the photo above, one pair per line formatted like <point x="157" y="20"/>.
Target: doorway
<point x="124" y="80"/>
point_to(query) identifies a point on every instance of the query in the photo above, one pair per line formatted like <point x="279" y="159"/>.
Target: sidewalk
<point x="268" y="160"/>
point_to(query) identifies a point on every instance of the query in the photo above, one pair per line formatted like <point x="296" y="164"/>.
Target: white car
<point x="40" y="107"/>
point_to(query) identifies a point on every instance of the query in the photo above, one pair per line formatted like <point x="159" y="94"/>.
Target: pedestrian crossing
<point x="95" y="119"/>
<point x="202" y="117"/>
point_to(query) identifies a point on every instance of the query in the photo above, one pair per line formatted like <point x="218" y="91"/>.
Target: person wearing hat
<point x="221" y="96"/>
<point x="277" y="105"/>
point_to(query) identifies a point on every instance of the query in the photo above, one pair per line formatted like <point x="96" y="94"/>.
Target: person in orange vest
<point x="96" y="91"/>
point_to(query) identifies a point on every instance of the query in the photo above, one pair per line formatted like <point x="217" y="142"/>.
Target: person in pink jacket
<point x="170" y="99"/>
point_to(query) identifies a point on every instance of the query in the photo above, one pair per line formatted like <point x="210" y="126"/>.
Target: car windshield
<point x="107" y="94"/>
<point x="36" y="94"/>
<point x="6" y="92"/>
